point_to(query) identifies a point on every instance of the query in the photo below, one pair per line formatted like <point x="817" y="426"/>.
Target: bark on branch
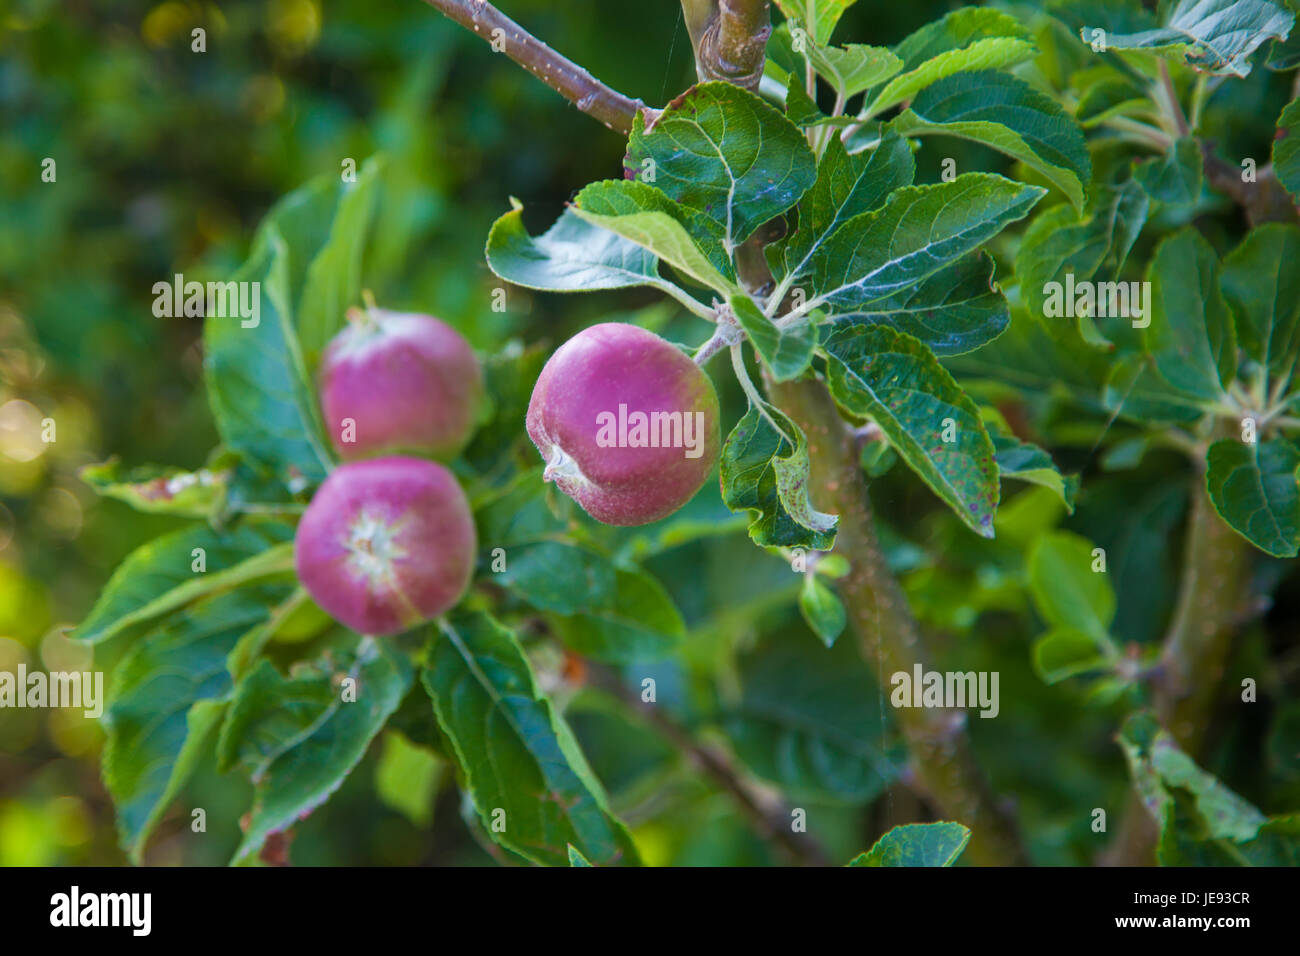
<point x="1263" y="199"/>
<point x="1196" y="649"/>
<point x="729" y="38"/>
<point x="1194" y="655"/>
<point x="945" y="770"/>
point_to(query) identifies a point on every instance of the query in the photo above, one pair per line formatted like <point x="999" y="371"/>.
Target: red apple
<point x="386" y="544"/>
<point x="399" y="381"/>
<point x="627" y="424"/>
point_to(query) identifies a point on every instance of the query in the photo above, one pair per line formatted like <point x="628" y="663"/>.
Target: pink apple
<point x="627" y="424"/>
<point x="399" y="381"/>
<point x="386" y="544"/>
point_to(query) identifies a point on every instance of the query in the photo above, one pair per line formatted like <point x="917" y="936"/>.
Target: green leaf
<point x="407" y="777"/>
<point x="607" y="610"/>
<point x="787" y="348"/>
<point x="1191" y="335"/>
<point x="817" y="17"/>
<point x="1159" y="768"/>
<point x="1254" y="489"/>
<point x="801" y="109"/>
<point x="917" y="844"/>
<point x="1182" y="841"/>
<point x="316" y="217"/>
<point x="956" y="31"/>
<point x="517" y="513"/>
<point x="822" y="609"/>
<point x="636" y="621"/>
<point x="782" y="60"/>
<point x="1126" y="454"/>
<point x="1050" y="360"/>
<point x="298" y="610"/>
<point x="893" y="379"/>
<point x="249" y="489"/>
<point x="1286" y="149"/>
<point x="302" y="219"/>
<point x="298" y="737"/>
<point x="1068" y="593"/>
<point x="516" y="754"/>
<point x="168" y="695"/>
<point x="1058" y="242"/>
<point x="1007" y="114"/>
<point x="688" y="241"/>
<point x="333" y="280"/>
<point x="1066" y="652"/>
<point x="704" y="516"/>
<point x="263" y="405"/>
<point x="576" y="858"/>
<point x="1284" y="55"/>
<point x="557" y="576"/>
<point x="1039" y="359"/>
<point x="809" y="721"/>
<point x="956" y="310"/>
<point x="1174" y="178"/>
<point x="161" y="575"/>
<point x="721" y="150"/>
<point x="988" y="54"/>
<point x="1027" y="462"/>
<point x="1109" y="99"/>
<point x="967" y="39"/>
<point x="572" y="256"/>
<point x="854" y="67"/>
<point x="880" y="254"/>
<point x="847" y="185"/>
<point x="1212" y="36"/>
<point x="762" y="472"/>
<point x="509" y="377"/>
<point x="1261" y="284"/>
<point x="877" y="459"/>
<point x="158" y="489"/>
<point x="1135" y="390"/>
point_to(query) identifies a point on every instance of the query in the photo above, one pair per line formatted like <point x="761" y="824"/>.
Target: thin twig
<point x="561" y="74"/>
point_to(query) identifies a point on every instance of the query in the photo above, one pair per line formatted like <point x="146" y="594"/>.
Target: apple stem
<point x="364" y="317"/>
<point x="723" y="338"/>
